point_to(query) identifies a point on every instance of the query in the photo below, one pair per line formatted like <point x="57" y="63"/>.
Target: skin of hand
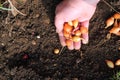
<point x="69" y="10"/>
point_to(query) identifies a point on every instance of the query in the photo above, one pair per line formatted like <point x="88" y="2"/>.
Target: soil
<point x="27" y="45"/>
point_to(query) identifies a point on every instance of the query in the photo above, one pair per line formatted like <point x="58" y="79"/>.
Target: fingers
<point x="62" y="41"/>
<point x="85" y="36"/>
<point x="59" y="29"/>
<point x="74" y="45"/>
<point x="77" y="45"/>
<point x="71" y="47"/>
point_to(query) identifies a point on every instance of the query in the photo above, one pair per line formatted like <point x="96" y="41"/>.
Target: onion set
<point x="56" y="51"/>
<point x="73" y="31"/>
<point x="109" y="63"/>
<point x="112" y="64"/>
<point x="115" y="23"/>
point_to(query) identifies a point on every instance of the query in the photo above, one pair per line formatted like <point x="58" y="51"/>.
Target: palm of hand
<point x="67" y="11"/>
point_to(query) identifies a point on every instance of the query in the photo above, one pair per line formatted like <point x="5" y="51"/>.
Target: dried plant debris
<point x="14" y="10"/>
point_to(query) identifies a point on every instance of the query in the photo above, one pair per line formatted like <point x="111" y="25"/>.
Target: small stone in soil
<point x="38" y="37"/>
<point x="25" y="56"/>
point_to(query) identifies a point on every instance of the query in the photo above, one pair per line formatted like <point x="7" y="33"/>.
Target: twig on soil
<point x="111" y="6"/>
<point x="62" y="49"/>
<point x="104" y="40"/>
<point x="14" y="9"/>
<point x="10" y="31"/>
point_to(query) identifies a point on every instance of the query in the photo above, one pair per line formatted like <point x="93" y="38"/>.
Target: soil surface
<point x="27" y="45"/>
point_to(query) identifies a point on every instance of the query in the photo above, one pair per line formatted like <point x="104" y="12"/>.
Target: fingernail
<point x="70" y="48"/>
<point x="85" y="42"/>
<point x="85" y="38"/>
<point x="77" y="45"/>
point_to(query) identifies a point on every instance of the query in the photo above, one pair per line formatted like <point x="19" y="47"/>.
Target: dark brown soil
<point x="27" y="44"/>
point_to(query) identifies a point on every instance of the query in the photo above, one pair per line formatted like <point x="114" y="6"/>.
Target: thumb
<point x="59" y="24"/>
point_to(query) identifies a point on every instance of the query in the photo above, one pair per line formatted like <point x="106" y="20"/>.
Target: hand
<point x="69" y="10"/>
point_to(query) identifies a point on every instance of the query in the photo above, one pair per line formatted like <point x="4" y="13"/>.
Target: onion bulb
<point x="117" y="63"/>
<point x="116" y="16"/>
<point x="70" y="23"/>
<point x="109" y="22"/>
<point x="75" y="23"/>
<point x="83" y="29"/>
<point x="67" y="27"/>
<point x="66" y="34"/>
<point x="77" y="33"/>
<point x="56" y="51"/>
<point x="76" y="38"/>
<point x="109" y="63"/>
<point x="115" y="29"/>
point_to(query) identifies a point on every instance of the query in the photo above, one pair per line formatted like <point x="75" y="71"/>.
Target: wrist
<point x="92" y="2"/>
